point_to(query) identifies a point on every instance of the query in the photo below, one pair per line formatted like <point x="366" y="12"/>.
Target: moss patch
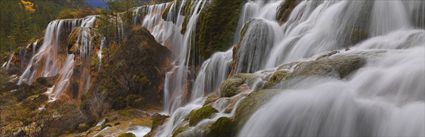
<point x="277" y="77"/>
<point x="230" y="87"/>
<point x="197" y="115"/>
<point x="215" y="28"/>
<point x="251" y="103"/>
<point x="223" y="127"/>
<point x="179" y="130"/>
<point x="339" y="65"/>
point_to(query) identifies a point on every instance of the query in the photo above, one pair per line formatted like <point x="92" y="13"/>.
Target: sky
<point x="96" y="3"/>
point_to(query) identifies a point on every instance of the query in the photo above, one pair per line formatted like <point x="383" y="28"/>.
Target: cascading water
<point x="213" y="71"/>
<point x="167" y="33"/>
<point x="48" y="61"/>
<point x="313" y="27"/>
<point x="378" y="100"/>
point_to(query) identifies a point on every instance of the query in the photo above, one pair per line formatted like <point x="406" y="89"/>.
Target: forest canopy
<point x="24" y="20"/>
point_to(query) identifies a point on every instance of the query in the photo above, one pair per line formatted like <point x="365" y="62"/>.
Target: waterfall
<point x="50" y="59"/>
<point x="6" y="64"/>
<point x="213" y="71"/>
<point x="316" y="106"/>
<point x="376" y="101"/>
<point x="168" y="33"/>
<point x="259" y="37"/>
<point x="313" y="107"/>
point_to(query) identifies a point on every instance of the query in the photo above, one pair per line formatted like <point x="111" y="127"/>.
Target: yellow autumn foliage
<point x="28" y="5"/>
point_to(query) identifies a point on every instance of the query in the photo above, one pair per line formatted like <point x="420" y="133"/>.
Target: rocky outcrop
<point x="215" y="29"/>
<point x="118" y="123"/>
<point x="338" y="66"/>
<point x="235" y="84"/>
<point x="132" y="76"/>
<point x="197" y="115"/>
<point x="25" y="111"/>
<point x="285" y="9"/>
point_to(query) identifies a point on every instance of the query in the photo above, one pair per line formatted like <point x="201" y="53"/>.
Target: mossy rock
<point x="127" y="135"/>
<point x="135" y="78"/>
<point x="198" y="115"/>
<point x="211" y="99"/>
<point x="223" y="127"/>
<point x="215" y="29"/>
<point x="277" y="77"/>
<point x="186" y="11"/>
<point x="338" y="65"/>
<point x="251" y="103"/>
<point x="158" y="120"/>
<point x="327" y="65"/>
<point x="230" y="87"/>
<point x="179" y="130"/>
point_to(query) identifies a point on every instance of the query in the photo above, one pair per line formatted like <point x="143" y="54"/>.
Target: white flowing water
<point x="48" y="61"/>
<point x="213" y="71"/>
<point x="317" y="106"/>
<point x="6" y="65"/>
<point x="385" y="98"/>
<point x="139" y="131"/>
<point x="168" y="34"/>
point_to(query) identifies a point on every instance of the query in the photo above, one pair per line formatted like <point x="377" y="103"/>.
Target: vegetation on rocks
<point x="25" y="112"/>
<point x="338" y="66"/>
<point x="215" y="28"/>
<point x="197" y="115"/>
<point x="140" y="86"/>
<point x="223" y="127"/>
<point x="231" y="86"/>
<point x="23" y="21"/>
<point x="251" y="103"/>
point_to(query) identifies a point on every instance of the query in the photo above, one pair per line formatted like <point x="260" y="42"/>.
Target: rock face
<point x="25" y="111"/>
<point x="285" y="10"/>
<point x="215" y="28"/>
<point x="233" y="85"/>
<point x="132" y="77"/>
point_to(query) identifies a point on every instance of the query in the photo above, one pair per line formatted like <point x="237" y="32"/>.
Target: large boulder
<point x="330" y="65"/>
<point x="133" y="75"/>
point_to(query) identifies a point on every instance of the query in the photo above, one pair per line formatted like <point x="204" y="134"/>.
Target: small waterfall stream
<point x="47" y="62"/>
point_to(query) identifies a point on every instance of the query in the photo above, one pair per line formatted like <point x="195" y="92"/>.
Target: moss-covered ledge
<point x="215" y="28"/>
